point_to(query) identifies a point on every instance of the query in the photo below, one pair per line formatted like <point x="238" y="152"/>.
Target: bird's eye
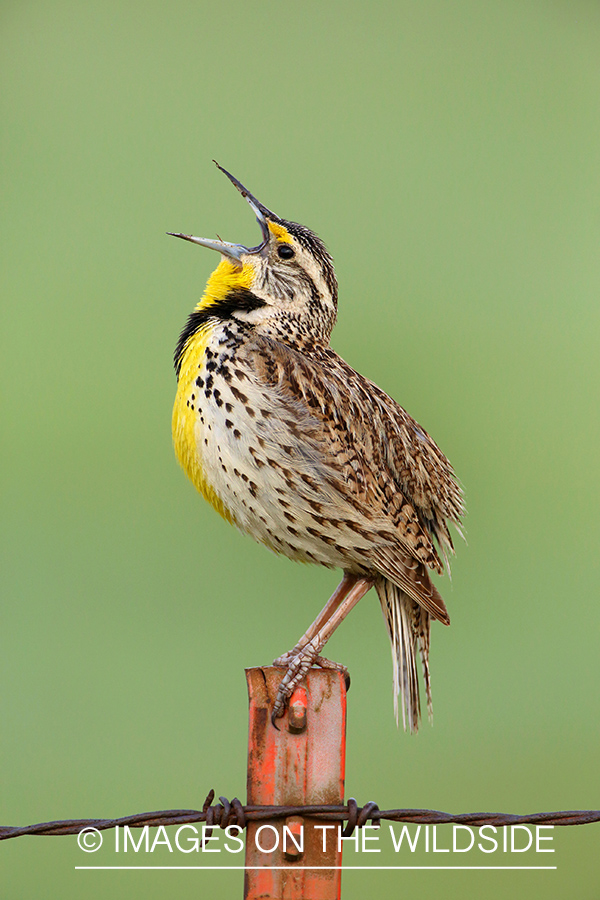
<point x="284" y="251"/>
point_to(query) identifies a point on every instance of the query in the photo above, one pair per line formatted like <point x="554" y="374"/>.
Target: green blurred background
<point x="448" y="155"/>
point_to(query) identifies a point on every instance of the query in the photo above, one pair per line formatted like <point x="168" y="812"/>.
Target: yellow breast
<point x="187" y="427"/>
<point x="187" y="424"/>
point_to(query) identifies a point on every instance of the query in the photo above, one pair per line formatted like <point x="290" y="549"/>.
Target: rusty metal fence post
<point x="302" y="763"/>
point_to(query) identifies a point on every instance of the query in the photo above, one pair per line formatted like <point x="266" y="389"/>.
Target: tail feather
<point x="408" y="627"/>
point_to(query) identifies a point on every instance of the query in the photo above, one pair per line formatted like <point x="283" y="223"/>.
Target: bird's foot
<point x="297" y="662"/>
<point x="285" y="659"/>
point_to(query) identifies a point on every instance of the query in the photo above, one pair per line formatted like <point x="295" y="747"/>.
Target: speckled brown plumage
<point x="305" y="454"/>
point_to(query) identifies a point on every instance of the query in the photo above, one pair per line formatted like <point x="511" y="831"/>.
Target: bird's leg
<point x="330" y="607"/>
<point x="349" y="592"/>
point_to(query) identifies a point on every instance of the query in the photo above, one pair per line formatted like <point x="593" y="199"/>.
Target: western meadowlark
<point x="307" y="456"/>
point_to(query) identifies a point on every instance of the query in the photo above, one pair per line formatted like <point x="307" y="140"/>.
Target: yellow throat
<point x="187" y="426"/>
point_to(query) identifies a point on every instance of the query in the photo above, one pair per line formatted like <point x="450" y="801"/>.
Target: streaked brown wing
<point x="367" y="449"/>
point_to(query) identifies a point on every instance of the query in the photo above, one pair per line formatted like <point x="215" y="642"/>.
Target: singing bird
<point x="307" y="456"/>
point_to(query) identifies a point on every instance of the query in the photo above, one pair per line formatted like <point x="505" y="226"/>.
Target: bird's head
<point x="284" y="286"/>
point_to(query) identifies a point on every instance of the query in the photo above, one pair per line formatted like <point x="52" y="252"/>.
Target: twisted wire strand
<point x="225" y="813"/>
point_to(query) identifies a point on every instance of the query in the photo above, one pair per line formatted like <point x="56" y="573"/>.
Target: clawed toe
<point x="297" y="662"/>
<point x="338" y="667"/>
<point x="284" y="660"/>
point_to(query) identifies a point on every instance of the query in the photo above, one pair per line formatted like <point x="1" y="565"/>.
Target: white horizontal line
<point x="327" y="868"/>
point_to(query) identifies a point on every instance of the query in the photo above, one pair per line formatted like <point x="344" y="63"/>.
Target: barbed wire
<point x="225" y="813"/>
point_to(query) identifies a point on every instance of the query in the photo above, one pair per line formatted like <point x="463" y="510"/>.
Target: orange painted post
<point x="302" y="763"/>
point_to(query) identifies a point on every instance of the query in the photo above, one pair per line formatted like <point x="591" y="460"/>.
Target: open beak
<point x="231" y="251"/>
<point x="235" y="252"/>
